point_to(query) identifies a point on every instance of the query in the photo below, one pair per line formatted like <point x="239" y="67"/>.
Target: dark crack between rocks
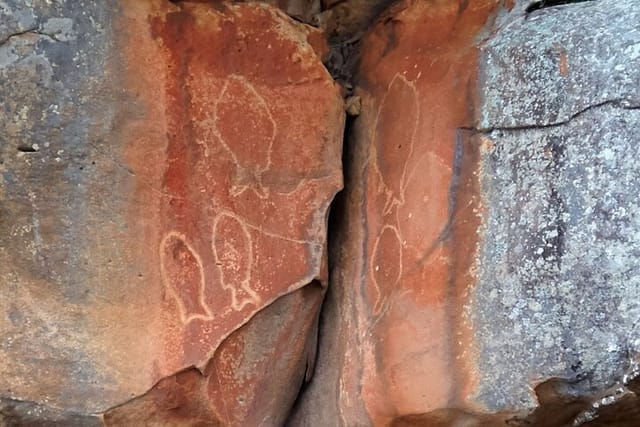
<point x="34" y="31"/>
<point x="623" y="104"/>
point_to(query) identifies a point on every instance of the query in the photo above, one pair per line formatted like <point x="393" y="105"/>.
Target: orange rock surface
<point x="220" y="155"/>
<point x="253" y="379"/>
<point x="248" y="161"/>
<point x="247" y="165"/>
<point x="412" y="217"/>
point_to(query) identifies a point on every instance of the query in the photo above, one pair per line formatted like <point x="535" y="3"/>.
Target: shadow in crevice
<point x="562" y="403"/>
<point x="543" y="4"/>
<point x="336" y="229"/>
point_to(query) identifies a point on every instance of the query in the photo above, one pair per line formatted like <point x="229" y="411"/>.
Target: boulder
<point x="406" y="238"/>
<point x="165" y="174"/>
<point x="253" y="378"/>
<point x="166" y="171"/>
<point x="487" y="262"/>
<point x="557" y="272"/>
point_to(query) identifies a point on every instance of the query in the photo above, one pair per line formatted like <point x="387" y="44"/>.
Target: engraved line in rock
<point x="183" y="276"/>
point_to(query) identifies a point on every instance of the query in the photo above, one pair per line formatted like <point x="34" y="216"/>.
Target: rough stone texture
<point x="546" y="67"/>
<point x="558" y="278"/>
<point x="345" y="20"/>
<point x="489" y="252"/>
<point x="303" y="10"/>
<point x="16" y="413"/>
<point x="406" y="233"/>
<point x="55" y="263"/>
<point x="252" y="380"/>
<point x="165" y="174"/>
<point x="557" y="282"/>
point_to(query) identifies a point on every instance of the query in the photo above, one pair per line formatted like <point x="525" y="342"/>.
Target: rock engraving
<point x="246" y="129"/>
<point x="183" y="276"/>
<point x="394" y="138"/>
<point x="231" y="244"/>
<point x="395" y="132"/>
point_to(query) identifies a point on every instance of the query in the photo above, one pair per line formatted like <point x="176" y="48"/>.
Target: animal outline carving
<point x="183" y="275"/>
<point x="232" y="248"/>
<point x="256" y="127"/>
<point x="393" y="140"/>
<point x="386" y="265"/>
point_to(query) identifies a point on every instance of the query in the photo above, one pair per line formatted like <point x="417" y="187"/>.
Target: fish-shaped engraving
<point x="182" y="274"/>
<point x="233" y="253"/>
<point x="247" y="130"/>
<point x="395" y="129"/>
<point x="386" y="264"/>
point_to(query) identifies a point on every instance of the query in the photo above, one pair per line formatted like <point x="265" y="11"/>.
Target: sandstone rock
<point x="253" y="379"/>
<point x="392" y="320"/>
<point x="490" y="243"/>
<point x="165" y="174"/>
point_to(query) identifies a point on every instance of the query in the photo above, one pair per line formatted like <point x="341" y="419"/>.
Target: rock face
<point x="166" y="172"/>
<point x="557" y="277"/>
<point x="394" y="313"/>
<point x="490" y="241"/>
<point x="253" y="379"/>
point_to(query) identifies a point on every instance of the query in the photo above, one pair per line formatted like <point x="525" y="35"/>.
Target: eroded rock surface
<point x="390" y="342"/>
<point x="488" y="260"/>
<point x="252" y="380"/>
<point x="557" y="273"/>
<point x="166" y="171"/>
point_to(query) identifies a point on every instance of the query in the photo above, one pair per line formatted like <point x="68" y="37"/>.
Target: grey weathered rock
<point x="16" y="413"/>
<point x="558" y="272"/>
<point x="545" y="67"/>
<point x="52" y="196"/>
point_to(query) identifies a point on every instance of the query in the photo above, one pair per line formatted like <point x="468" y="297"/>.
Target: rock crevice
<point x="33" y="31"/>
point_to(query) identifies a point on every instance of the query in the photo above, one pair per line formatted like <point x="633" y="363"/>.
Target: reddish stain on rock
<point x="417" y="75"/>
<point x="236" y="152"/>
<point x="386" y="263"/>
<point x="183" y="271"/>
<point x="395" y="130"/>
<point x="563" y="62"/>
<point x="253" y="378"/>
<point x="413" y="211"/>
